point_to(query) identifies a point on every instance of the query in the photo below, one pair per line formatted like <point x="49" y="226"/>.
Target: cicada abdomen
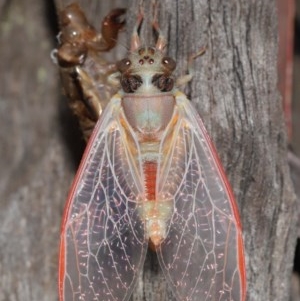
<point x="150" y="176"/>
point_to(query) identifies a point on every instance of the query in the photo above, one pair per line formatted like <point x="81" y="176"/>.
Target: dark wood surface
<point x="234" y="90"/>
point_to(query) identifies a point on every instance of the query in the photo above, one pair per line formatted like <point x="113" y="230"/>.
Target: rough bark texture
<point x="234" y="90"/>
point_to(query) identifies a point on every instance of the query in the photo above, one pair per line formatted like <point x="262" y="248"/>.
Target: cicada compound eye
<point x="169" y="63"/>
<point x="123" y="65"/>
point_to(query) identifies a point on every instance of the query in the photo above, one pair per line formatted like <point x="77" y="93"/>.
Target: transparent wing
<point x="202" y="255"/>
<point x="103" y="244"/>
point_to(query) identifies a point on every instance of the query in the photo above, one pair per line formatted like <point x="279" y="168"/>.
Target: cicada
<point x="150" y="176"/>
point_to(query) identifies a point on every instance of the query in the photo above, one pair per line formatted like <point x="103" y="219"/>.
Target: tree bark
<point x="35" y="166"/>
<point x="235" y="91"/>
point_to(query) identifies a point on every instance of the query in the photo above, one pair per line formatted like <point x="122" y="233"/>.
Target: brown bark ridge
<point x="234" y="90"/>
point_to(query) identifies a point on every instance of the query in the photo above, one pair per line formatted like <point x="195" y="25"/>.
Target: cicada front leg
<point x="83" y="69"/>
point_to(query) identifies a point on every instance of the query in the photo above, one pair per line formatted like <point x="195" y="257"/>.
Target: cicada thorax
<point x="83" y="69"/>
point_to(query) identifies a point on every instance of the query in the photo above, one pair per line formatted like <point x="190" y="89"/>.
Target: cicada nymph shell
<point x="150" y="176"/>
<point x="83" y="69"/>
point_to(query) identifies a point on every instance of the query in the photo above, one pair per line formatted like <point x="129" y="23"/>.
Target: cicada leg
<point x="111" y="26"/>
<point x="161" y="40"/>
<point x="83" y="70"/>
<point x="182" y="80"/>
<point x="135" y="38"/>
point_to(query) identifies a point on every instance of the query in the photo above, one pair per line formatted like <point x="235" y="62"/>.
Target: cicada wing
<point x="202" y="254"/>
<point x="103" y="243"/>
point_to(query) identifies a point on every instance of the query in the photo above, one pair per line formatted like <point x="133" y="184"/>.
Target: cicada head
<point x="146" y="69"/>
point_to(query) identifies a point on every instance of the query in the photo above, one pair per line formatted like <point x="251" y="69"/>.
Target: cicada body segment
<point x="150" y="175"/>
<point x="148" y="116"/>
